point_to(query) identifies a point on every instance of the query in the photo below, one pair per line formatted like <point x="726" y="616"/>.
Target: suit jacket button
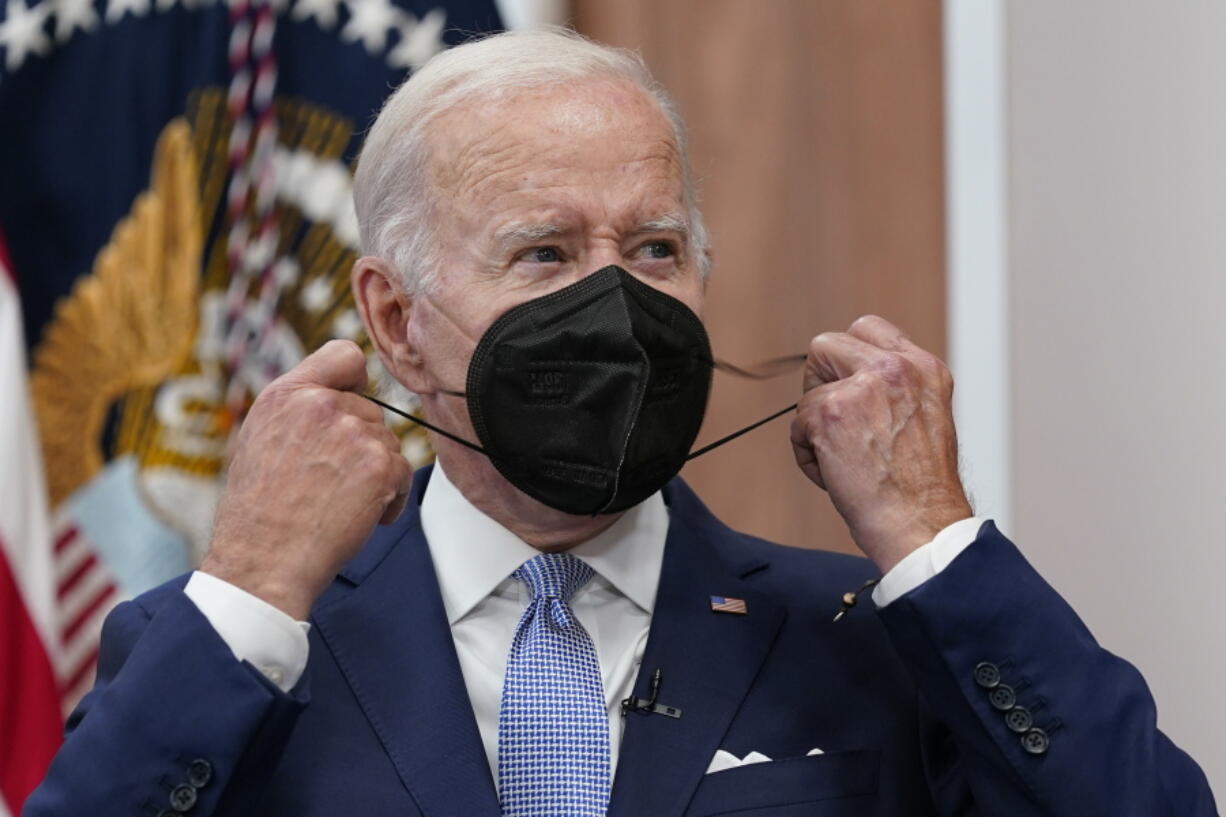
<point x="987" y="675"/>
<point x="1035" y="741"/>
<point x="199" y="773"/>
<point x="182" y="797"/>
<point x="1019" y="719"/>
<point x="1003" y="697"/>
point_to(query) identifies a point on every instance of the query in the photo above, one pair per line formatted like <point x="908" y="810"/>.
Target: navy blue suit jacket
<point x="380" y="723"/>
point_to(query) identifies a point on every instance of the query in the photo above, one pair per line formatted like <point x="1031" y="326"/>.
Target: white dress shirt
<point x="474" y="557"/>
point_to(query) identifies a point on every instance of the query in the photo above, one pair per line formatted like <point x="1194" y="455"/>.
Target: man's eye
<point x="543" y="255"/>
<point x="658" y="249"/>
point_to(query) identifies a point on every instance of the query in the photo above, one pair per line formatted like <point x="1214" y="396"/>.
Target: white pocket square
<point x="726" y="760"/>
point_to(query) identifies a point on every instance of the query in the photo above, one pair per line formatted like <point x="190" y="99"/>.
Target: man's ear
<point x="386" y="310"/>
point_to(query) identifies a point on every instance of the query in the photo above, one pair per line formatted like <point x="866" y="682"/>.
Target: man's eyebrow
<point x="667" y="223"/>
<point x="520" y="232"/>
<point x="524" y="232"/>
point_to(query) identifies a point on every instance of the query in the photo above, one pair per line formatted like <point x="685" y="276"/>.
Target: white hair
<point x="391" y="188"/>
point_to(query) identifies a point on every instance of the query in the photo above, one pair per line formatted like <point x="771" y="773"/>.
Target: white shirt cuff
<point x="253" y="629"/>
<point x="927" y="561"/>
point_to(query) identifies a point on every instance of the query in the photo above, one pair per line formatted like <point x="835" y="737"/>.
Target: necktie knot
<point x="554" y="576"/>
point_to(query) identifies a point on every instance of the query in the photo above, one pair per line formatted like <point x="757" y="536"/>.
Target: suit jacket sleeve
<point x="989" y="622"/>
<point x="172" y="714"/>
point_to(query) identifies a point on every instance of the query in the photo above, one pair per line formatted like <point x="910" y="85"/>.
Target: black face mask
<point x="588" y="399"/>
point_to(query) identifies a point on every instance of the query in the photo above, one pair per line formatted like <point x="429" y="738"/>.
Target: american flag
<point x="724" y="604"/>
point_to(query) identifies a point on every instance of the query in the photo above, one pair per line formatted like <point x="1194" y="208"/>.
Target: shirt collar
<point x="473" y="554"/>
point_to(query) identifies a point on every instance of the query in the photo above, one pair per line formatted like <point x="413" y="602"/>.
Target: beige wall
<point x="816" y="133"/>
<point x="1117" y="270"/>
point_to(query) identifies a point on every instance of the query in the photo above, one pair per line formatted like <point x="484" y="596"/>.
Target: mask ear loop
<point x="425" y="424"/>
<point x="759" y="371"/>
<point x="736" y="434"/>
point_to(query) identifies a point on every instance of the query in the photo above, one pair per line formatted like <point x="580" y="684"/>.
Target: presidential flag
<point x="175" y="193"/>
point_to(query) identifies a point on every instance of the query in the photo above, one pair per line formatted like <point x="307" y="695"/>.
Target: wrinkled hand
<point x="875" y="429"/>
<point x="314" y="470"/>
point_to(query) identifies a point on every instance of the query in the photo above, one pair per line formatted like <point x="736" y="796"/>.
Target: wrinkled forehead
<point x="595" y="125"/>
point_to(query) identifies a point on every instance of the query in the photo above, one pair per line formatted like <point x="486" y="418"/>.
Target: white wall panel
<point x="1116" y="145"/>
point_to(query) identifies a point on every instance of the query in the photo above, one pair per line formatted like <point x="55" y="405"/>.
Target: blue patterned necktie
<point x="553" y="728"/>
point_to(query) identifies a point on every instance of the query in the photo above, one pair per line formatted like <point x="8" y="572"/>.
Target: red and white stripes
<point x="85" y="592"/>
<point x="251" y="199"/>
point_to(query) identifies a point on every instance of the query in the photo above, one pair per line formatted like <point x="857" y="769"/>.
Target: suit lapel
<point x="389" y="634"/>
<point x="707" y="660"/>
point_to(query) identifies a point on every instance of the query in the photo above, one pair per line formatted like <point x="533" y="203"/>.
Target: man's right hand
<point x="314" y="470"/>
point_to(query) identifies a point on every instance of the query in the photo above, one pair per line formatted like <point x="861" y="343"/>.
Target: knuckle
<point x="316" y="405"/>
<point x="378" y="445"/>
<point x="832" y="408"/>
<point x="379" y="464"/>
<point x="384" y="471"/>
<point x="351" y="426"/>
<point x="934" y="372"/>
<point x="895" y="369"/>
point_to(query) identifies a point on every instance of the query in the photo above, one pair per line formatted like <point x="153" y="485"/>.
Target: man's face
<point x="538" y="191"/>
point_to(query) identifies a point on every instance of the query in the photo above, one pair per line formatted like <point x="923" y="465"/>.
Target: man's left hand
<point x="875" y="429"/>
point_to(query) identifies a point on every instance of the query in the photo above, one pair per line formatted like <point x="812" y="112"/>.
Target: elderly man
<point x="548" y="628"/>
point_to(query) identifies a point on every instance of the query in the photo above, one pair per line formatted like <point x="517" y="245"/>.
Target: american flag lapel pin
<point x="725" y="604"/>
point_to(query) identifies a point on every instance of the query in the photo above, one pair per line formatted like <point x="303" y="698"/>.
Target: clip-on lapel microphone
<point x="650" y="706"/>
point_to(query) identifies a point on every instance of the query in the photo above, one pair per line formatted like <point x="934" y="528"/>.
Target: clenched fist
<point x="875" y="428"/>
<point x="314" y="470"/>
